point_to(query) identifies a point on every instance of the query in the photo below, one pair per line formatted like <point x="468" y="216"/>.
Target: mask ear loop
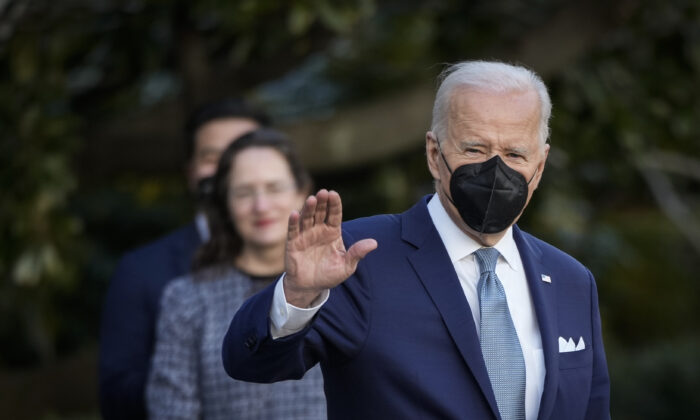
<point x="443" y="156"/>
<point x="448" y="168"/>
<point x="533" y="177"/>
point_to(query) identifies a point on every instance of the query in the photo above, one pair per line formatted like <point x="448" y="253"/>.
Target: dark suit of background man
<point x="415" y="323"/>
<point x="132" y="303"/>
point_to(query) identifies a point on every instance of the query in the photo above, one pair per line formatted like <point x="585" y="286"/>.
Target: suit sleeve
<point x="599" y="401"/>
<point x="334" y="335"/>
<point x="124" y="345"/>
<point x="250" y="353"/>
<point x="172" y="391"/>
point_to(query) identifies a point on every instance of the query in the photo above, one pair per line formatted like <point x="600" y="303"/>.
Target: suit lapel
<point x="544" y="298"/>
<point x="435" y="270"/>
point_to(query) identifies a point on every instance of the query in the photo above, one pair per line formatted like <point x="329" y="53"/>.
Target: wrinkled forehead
<point x="481" y="109"/>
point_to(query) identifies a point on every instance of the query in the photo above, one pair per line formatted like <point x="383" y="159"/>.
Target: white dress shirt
<point x="200" y="220"/>
<point x="286" y="319"/>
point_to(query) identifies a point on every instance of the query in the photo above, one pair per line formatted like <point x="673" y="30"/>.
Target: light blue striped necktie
<point x="499" y="341"/>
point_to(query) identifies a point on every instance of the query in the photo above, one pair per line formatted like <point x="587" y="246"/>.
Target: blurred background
<point x="94" y="93"/>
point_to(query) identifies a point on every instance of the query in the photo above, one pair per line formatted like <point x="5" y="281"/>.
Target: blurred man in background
<point x="132" y="303"/>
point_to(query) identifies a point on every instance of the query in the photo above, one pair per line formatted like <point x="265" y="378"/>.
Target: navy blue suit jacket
<point x="397" y="339"/>
<point x="129" y="316"/>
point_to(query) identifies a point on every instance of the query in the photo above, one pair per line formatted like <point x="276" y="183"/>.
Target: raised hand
<point x="316" y="258"/>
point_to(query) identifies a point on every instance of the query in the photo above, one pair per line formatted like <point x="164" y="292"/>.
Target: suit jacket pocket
<point x="575" y="359"/>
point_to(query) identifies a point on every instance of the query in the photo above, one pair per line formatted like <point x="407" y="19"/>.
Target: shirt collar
<point x="200" y="221"/>
<point x="459" y="245"/>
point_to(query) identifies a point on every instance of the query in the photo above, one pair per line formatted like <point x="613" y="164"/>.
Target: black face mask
<point x="488" y="195"/>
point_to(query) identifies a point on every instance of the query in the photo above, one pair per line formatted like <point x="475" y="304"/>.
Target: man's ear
<point x="432" y="153"/>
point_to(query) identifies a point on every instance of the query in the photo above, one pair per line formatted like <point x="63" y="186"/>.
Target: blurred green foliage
<point x="621" y="191"/>
<point x="63" y="64"/>
<point x="633" y="101"/>
<point x="622" y="195"/>
<point x="40" y="249"/>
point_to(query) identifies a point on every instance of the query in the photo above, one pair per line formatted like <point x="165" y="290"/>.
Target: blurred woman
<point x="258" y="183"/>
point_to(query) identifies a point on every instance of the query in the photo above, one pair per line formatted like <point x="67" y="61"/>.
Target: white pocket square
<point x="566" y="346"/>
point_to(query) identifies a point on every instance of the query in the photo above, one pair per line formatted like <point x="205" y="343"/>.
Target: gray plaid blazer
<point x="187" y="378"/>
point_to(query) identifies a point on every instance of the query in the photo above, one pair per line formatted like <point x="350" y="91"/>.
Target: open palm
<point x="316" y="258"/>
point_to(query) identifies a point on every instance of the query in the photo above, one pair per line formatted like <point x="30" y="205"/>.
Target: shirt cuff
<point x="286" y="319"/>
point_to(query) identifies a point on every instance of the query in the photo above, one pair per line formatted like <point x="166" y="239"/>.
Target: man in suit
<point x="449" y="310"/>
<point x="132" y="303"/>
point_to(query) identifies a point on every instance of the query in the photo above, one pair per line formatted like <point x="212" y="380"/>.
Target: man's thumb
<point x="360" y="249"/>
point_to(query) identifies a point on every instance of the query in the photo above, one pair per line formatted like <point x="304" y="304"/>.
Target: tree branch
<point x="653" y="167"/>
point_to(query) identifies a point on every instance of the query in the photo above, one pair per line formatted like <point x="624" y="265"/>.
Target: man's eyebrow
<point x="471" y="143"/>
<point x="521" y="150"/>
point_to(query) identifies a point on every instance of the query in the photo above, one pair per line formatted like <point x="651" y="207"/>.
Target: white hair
<point x="491" y="76"/>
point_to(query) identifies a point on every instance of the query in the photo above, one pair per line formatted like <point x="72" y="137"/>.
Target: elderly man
<point x="450" y="311"/>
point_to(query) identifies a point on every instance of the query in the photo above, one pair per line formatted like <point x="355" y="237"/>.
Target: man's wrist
<point x="301" y="298"/>
<point x="286" y="318"/>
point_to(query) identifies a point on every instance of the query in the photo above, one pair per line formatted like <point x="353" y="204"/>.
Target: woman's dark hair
<point x="225" y="243"/>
